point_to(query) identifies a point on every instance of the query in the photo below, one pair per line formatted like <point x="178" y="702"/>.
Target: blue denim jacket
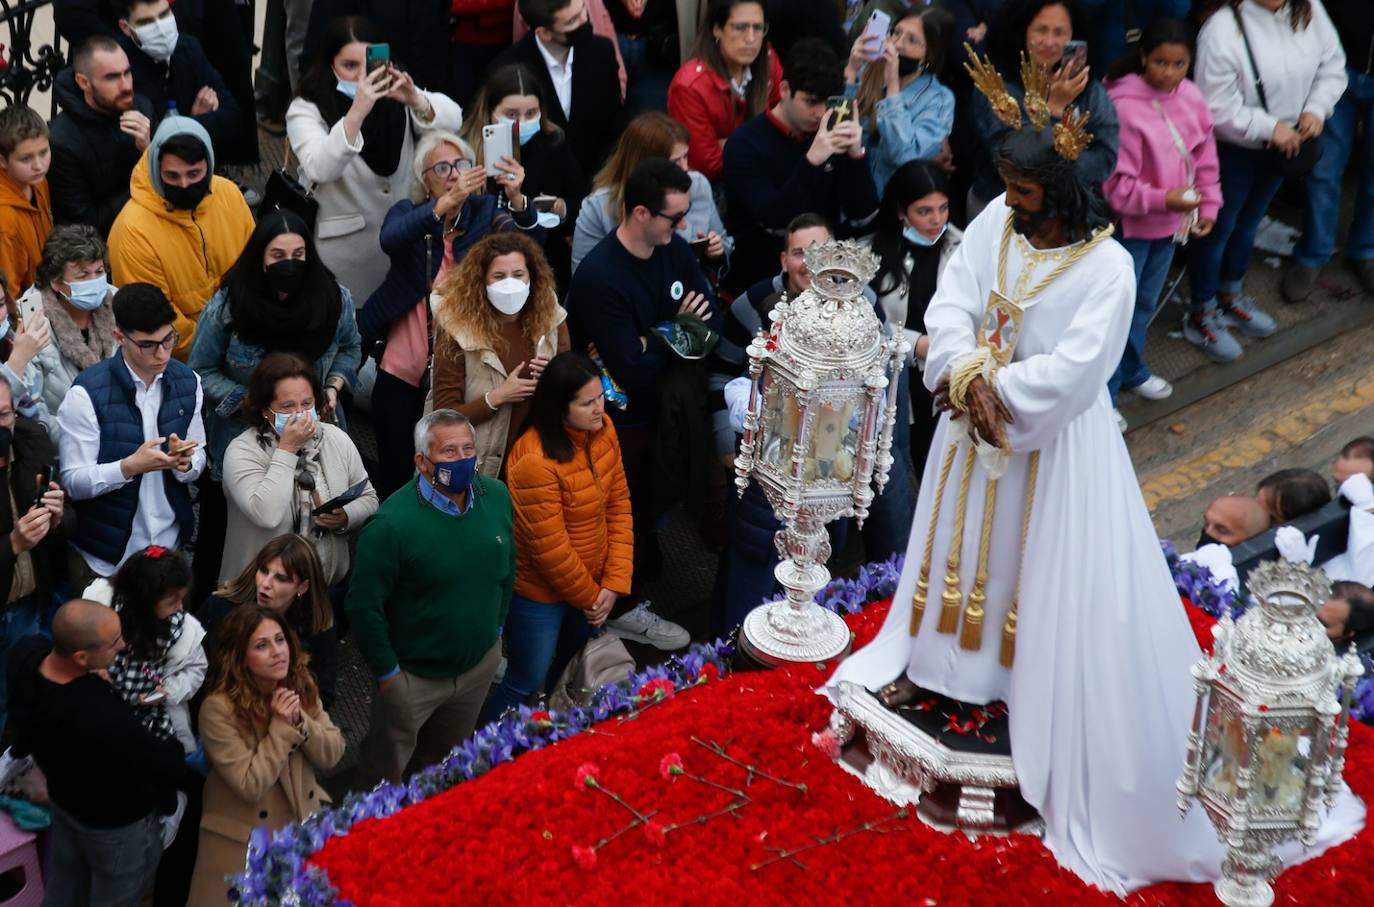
<point x="225" y="362"/>
<point x="911" y="127"/>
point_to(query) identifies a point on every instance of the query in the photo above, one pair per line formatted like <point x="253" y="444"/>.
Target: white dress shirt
<point x="83" y="478"/>
<point x="561" y="74"/>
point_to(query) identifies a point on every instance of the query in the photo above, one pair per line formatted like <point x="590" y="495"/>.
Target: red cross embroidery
<point x="1003" y="319"/>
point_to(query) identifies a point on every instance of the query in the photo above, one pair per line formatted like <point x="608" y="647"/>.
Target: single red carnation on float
<point x="709" y="673"/>
<point x="670" y="765"/>
<point x="657" y="689"/>
<point x="543" y="717"/>
<point x="827" y="743"/>
<point x="587" y="776"/>
<point x="584" y="857"/>
<point x="655" y="832"/>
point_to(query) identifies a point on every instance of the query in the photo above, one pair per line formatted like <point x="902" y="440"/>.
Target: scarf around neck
<point x="74" y="348"/>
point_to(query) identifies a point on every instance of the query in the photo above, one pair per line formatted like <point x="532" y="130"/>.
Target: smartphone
<point x="29" y="306"/>
<point x="154" y="698"/>
<point x="43" y="478"/>
<point x="841" y="109"/>
<point x="377" y="56"/>
<point x="544" y="202"/>
<point x="497" y="140"/>
<point x="879" y="23"/>
<point x="1075" y="56"/>
<point x="699" y="246"/>
<point x="184" y="447"/>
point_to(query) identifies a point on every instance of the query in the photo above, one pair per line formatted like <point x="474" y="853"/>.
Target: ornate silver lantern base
<point x="795" y="629"/>
<point x="1245" y="876"/>
<point x="974" y="792"/>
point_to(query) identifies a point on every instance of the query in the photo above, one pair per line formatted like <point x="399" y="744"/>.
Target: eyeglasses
<point x="444" y="168"/>
<point x="673" y="219"/>
<point x="152" y="346"/>
<point x="744" y="28"/>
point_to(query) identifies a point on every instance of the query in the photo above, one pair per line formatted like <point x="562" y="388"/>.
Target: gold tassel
<point x="919" y="597"/>
<point x="972" y="637"/>
<point x="1009" y="637"/>
<point x="952" y="600"/>
<point x="1009" y="628"/>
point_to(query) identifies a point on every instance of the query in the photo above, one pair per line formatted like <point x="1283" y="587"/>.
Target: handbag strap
<point x="286" y="156"/>
<point x="1250" y="54"/>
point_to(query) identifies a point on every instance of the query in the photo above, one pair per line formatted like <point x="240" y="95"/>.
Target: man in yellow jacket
<point x="183" y="227"/>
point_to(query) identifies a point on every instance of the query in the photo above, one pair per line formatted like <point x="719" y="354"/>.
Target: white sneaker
<point x="1154" y="388"/>
<point x="171" y="823"/>
<point x="642" y="625"/>
<point x="1120" y="419"/>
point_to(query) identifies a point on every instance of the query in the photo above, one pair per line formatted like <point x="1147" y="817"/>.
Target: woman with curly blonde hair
<point x="497" y="325"/>
<point x="265" y="734"/>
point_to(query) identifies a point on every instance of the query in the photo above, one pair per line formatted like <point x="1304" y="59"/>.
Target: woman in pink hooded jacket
<point x="1166" y="188"/>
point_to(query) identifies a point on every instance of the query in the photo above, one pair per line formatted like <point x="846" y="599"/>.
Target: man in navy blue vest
<point x="132" y="440"/>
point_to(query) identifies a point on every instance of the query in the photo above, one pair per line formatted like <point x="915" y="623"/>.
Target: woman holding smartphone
<point x="1043" y="30"/>
<point x="353" y="132"/>
<point x="279" y="474"/>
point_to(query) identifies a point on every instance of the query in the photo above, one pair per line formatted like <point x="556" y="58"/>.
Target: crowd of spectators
<point x="507" y="203"/>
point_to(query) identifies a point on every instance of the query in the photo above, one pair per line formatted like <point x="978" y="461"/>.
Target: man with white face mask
<point x="170" y="68"/>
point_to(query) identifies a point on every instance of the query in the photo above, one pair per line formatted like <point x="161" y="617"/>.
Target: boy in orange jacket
<point x="25" y="208"/>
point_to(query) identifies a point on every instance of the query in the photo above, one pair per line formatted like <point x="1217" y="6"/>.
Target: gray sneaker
<point x="1210" y="335"/>
<point x="1242" y="315"/>
<point x="642" y="625"/>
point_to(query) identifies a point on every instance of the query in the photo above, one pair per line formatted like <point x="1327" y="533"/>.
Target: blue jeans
<point x="1217" y="261"/>
<point x="1152" y="258"/>
<point x="646" y="88"/>
<point x="541" y="638"/>
<point x="108" y="867"/>
<point x="19" y="620"/>
<point x="1338" y="140"/>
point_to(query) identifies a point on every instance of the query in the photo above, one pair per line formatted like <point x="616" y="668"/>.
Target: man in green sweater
<point x="431" y="586"/>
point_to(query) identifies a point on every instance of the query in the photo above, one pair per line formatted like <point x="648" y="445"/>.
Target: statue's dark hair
<point x="1076" y="202"/>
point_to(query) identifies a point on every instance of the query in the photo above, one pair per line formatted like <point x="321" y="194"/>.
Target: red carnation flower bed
<point x="524" y="833"/>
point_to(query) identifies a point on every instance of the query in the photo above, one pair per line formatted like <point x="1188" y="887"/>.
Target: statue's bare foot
<point x="898" y="693"/>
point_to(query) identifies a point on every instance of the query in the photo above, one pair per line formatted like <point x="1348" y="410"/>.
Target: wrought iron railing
<point x="24" y="68"/>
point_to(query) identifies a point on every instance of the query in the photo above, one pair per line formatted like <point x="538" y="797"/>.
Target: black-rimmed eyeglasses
<point x="444" y="168"/>
<point x="673" y="219"/>
<point x="151" y="346"/>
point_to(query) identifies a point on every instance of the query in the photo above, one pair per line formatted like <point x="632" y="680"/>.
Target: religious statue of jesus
<point x="1034" y="574"/>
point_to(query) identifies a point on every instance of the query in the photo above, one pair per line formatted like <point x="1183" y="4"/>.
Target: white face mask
<point x="508" y="295"/>
<point x="158" y="38"/>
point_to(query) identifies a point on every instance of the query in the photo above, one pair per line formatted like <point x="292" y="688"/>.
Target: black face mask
<point x="1205" y="539"/>
<point x="908" y="65"/>
<point x="286" y="276"/>
<point x="578" y="35"/>
<point x="6" y="439"/>
<point x="187" y="198"/>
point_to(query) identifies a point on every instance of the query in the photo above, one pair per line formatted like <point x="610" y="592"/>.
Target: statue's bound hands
<point x="987" y="413"/>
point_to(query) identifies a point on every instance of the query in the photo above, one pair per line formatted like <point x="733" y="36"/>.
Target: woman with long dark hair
<point x="573" y="537"/>
<point x="1299" y="65"/>
<point x="279" y="296"/>
<point x="913" y="240"/>
<point x="1039" y="31"/>
<point x="353" y="131"/>
<point x="906" y="111"/>
<point x="733" y="75"/>
<point x="286" y="578"/>
<point x="265" y="733"/>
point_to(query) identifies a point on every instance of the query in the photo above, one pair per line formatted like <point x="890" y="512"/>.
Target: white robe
<point x="1100" y="695"/>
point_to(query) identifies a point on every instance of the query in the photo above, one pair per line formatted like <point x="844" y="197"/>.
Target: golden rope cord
<point x="918" y="598"/>
<point x="1008" y="653"/>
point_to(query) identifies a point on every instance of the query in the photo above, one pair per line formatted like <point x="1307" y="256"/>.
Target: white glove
<point x="1359" y="491"/>
<point x="1293" y="547"/>
<point x="1217" y="559"/>
<point x="737" y="402"/>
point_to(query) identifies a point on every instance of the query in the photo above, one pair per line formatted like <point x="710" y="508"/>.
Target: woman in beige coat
<point x="498" y="322"/>
<point x="265" y="733"/>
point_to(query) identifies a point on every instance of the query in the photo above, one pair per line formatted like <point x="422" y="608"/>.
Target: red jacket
<point x="702" y="100"/>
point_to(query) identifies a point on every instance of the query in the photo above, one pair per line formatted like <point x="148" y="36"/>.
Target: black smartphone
<point x="840" y="109"/>
<point x="699" y="246"/>
<point x="43" y="479"/>
<point x="1075" y="56"/>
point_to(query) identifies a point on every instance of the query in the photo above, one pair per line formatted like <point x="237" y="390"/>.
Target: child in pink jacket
<point x="1166" y="187"/>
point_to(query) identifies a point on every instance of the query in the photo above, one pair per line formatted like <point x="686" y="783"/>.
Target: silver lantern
<point x="817" y="439"/>
<point x="1267" y="747"/>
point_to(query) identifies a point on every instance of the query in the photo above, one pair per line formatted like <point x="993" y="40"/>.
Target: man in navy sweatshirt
<point x="793" y="159"/>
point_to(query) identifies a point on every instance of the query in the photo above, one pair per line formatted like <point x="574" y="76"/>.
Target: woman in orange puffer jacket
<point x="573" y="535"/>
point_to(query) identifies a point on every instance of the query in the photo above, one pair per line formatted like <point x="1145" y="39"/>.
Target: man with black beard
<point x="578" y="75"/>
<point x="183" y="227"/>
<point x="98" y="137"/>
<point x="1034" y="576"/>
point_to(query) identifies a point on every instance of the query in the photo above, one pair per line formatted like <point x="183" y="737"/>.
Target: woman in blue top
<point x="905" y="112"/>
<point x="278" y="297"/>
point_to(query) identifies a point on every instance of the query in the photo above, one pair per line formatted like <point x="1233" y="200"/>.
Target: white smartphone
<point x="29" y="306"/>
<point x="154" y="698"/>
<point x="878" y="24"/>
<point x="496" y="142"/>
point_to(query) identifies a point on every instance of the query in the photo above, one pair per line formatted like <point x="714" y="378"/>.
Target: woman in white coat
<point x="913" y="240"/>
<point x="353" y="133"/>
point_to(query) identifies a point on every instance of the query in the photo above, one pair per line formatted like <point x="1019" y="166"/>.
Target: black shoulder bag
<point x="1309" y="152"/>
